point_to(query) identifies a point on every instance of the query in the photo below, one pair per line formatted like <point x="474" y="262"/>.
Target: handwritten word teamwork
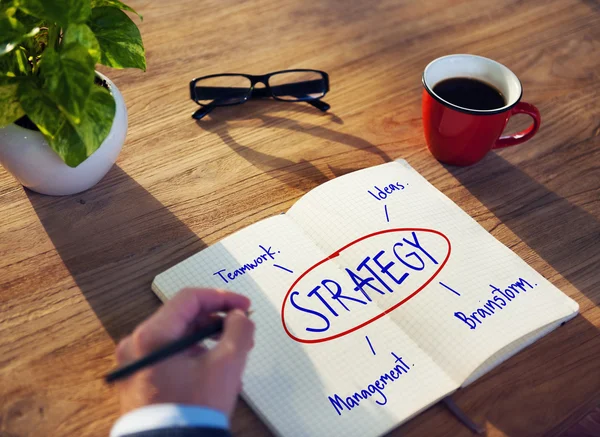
<point x="376" y="389"/>
<point x="263" y="257"/>
<point x="381" y="274"/>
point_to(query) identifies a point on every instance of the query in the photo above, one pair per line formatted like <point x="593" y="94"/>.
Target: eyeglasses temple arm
<point x="319" y="104"/>
<point x="203" y="111"/>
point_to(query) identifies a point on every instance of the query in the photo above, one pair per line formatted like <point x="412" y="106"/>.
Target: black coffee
<point x="470" y="93"/>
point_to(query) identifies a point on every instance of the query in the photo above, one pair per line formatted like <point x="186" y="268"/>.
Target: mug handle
<point x="524" y="135"/>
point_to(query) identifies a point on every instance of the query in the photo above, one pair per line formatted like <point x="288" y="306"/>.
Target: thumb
<point x="238" y="335"/>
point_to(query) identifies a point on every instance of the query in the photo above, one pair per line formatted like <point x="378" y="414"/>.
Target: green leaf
<point x="119" y="38"/>
<point x="14" y="64"/>
<point x="11" y="107"/>
<point x="41" y="109"/>
<point x="29" y="21"/>
<point x="115" y="4"/>
<point x="8" y="7"/>
<point x="69" y="76"/>
<point x="63" y="12"/>
<point x="12" y="32"/>
<point x="82" y="34"/>
<point x="97" y="119"/>
<point x="73" y="143"/>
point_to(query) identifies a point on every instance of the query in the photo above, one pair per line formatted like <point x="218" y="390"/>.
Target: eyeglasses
<point x="233" y="89"/>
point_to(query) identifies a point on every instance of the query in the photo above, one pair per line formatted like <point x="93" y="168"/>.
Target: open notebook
<point x="374" y="297"/>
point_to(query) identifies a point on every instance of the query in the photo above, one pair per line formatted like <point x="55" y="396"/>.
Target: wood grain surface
<point x="75" y="271"/>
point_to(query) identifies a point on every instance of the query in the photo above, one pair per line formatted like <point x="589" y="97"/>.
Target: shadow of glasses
<point x="302" y="175"/>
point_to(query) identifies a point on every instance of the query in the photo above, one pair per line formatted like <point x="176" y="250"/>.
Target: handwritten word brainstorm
<point x="361" y="282"/>
<point x="497" y="301"/>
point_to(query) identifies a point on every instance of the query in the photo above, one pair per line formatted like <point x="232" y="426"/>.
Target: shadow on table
<point x="566" y="237"/>
<point x="593" y="4"/>
<point x="563" y="234"/>
<point x="554" y="381"/>
<point x="302" y="175"/>
<point x="114" y="238"/>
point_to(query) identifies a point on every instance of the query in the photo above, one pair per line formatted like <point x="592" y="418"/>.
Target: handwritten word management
<point x="380" y="194"/>
<point x="381" y="274"/>
<point x="498" y="301"/>
<point x="340" y="404"/>
<point x="268" y="254"/>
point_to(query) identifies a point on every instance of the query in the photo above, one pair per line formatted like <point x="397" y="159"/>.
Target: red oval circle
<point x="336" y="254"/>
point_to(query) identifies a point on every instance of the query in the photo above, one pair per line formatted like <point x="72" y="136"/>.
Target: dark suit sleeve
<point x="182" y="432"/>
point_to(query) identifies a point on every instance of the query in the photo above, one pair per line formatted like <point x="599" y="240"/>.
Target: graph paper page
<point x="460" y="294"/>
<point x="298" y="378"/>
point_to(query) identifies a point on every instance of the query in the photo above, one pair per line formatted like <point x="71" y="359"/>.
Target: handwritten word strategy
<point x="340" y="404"/>
<point x="372" y="275"/>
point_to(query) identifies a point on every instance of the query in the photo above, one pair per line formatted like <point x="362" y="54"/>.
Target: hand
<point x="198" y="376"/>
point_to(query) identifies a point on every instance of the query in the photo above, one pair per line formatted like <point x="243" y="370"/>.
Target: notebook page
<point x="347" y="386"/>
<point x="465" y="295"/>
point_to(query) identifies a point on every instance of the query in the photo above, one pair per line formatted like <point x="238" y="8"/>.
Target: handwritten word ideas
<point x="380" y="194"/>
<point x="376" y="389"/>
<point x="267" y="255"/>
<point x="498" y="301"/>
<point x="381" y="272"/>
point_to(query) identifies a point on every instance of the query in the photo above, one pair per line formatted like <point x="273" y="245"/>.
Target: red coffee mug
<point x="462" y="136"/>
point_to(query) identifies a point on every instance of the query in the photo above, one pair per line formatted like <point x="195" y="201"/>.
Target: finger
<point x="215" y="337"/>
<point x="238" y="335"/>
<point x="205" y="320"/>
<point x="173" y="320"/>
<point x="192" y="303"/>
<point x="196" y="351"/>
<point x="124" y="351"/>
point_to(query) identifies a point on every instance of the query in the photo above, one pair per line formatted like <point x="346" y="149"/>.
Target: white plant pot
<point x="28" y="157"/>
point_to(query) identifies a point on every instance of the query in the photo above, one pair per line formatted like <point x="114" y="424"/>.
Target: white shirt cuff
<point x="168" y="416"/>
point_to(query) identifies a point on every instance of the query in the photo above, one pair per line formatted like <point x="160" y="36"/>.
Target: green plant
<point x="48" y="53"/>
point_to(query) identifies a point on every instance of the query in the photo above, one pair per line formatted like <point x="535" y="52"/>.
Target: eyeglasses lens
<point x="298" y="85"/>
<point x="222" y="90"/>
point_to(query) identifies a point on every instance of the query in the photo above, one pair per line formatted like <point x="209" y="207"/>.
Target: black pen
<point x="167" y="351"/>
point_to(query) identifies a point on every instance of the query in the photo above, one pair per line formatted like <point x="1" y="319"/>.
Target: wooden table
<point x="76" y="271"/>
